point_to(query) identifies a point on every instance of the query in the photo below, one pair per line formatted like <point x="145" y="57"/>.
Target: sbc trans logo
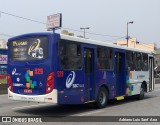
<point x="70" y="79"/>
<point x="14" y="71"/>
<point x="35" y="50"/>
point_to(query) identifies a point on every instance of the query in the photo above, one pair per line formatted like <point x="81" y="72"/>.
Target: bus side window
<point x="110" y="61"/>
<point x="145" y="62"/>
<point x="62" y="48"/>
<point x="127" y="61"/>
<point x="138" y="61"/>
<point x="78" y="50"/>
<point x="104" y="58"/>
<point x="130" y="61"/>
<point x="70" y="55"/>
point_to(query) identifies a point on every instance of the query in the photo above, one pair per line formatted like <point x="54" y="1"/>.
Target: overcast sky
<point x="107" y="17"/>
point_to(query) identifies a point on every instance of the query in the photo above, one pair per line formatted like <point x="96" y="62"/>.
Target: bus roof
<point x="101" y="43"/>
<point x="82" y="40"/>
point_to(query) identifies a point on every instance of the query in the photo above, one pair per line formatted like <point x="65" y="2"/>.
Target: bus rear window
<point x="29" y="49"/>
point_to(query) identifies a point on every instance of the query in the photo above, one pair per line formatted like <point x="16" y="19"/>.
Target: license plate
<point x="27" y="90"/>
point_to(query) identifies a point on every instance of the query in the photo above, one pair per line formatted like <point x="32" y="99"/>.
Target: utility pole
<point x="84" y="30"/>
<point x="131" y="22"/>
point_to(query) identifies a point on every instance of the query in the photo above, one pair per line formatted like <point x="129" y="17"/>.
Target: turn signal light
<point x="50" y="83"/>
<point x="9" y="82"/>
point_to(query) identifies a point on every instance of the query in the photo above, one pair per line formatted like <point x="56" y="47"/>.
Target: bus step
<point x="89" y="101"/>
<point x="120" y="97"/>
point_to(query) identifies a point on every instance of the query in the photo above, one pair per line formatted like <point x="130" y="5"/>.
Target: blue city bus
<point x="62" y="69"/>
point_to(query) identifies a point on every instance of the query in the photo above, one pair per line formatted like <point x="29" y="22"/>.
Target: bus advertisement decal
<point x="30" y="83"/>
<point x="14" y="72"/>
<point x="70" y="79"/>
<point x="35" y="50"/>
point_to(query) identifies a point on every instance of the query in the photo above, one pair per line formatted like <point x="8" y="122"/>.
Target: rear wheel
<point x="102" y="98"/>
<point x="142" y="93"/>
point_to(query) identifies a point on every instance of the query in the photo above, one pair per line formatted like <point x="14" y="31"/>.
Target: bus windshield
<point x="29" y="49"/>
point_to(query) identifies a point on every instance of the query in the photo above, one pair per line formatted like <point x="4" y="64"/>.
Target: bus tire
<point x="102" y="98"/>
<point x="142" y="93"/>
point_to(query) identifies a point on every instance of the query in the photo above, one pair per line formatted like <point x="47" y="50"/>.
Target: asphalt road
<point x="149" y="106"/>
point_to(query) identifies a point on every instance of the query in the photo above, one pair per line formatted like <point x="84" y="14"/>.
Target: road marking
<point x="89" y="113"/>
<point x="3" y="95"/>
<point x="30" y="106"/>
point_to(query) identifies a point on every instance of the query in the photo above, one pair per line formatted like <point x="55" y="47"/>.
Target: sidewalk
<point x="157" y="86"/>
<point x="157" y="80"/>
<point x="3" y="88"/>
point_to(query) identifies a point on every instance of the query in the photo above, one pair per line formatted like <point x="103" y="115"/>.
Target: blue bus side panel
<point x="71" y="87"/>
<point x="70" y="84"/>
<point x="106" y="78"/>
<point x="102" y="77"/>
<point x="77" y="92"/>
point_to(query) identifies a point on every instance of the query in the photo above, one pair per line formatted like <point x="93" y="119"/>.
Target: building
<point x="133" y="43"/>
<point x="3" y="44"/>
<point x="157" y="63"/>
<point x="3" y="65"/>
<point x="158" y="57"/>
<point x="65" y="32"/>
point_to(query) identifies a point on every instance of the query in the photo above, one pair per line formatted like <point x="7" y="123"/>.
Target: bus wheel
<point x="142" y="93"/>
<point x="102" y="98"/>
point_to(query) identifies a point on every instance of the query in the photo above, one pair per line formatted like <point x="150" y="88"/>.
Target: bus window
<point x="88" y="60"/>
<point x="130" y="61"/>
<point x="34" y="48"/>
<point x="104" y="56"/>
<point x="145" y="62"/>
<point x="70" y="55"/>
<point x="138" y="61"/>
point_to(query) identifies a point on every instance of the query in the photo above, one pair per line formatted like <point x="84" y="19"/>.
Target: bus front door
<point x="151" y="73"/>
<point x="120" y="73"/>
<point x="89" y="74"/>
